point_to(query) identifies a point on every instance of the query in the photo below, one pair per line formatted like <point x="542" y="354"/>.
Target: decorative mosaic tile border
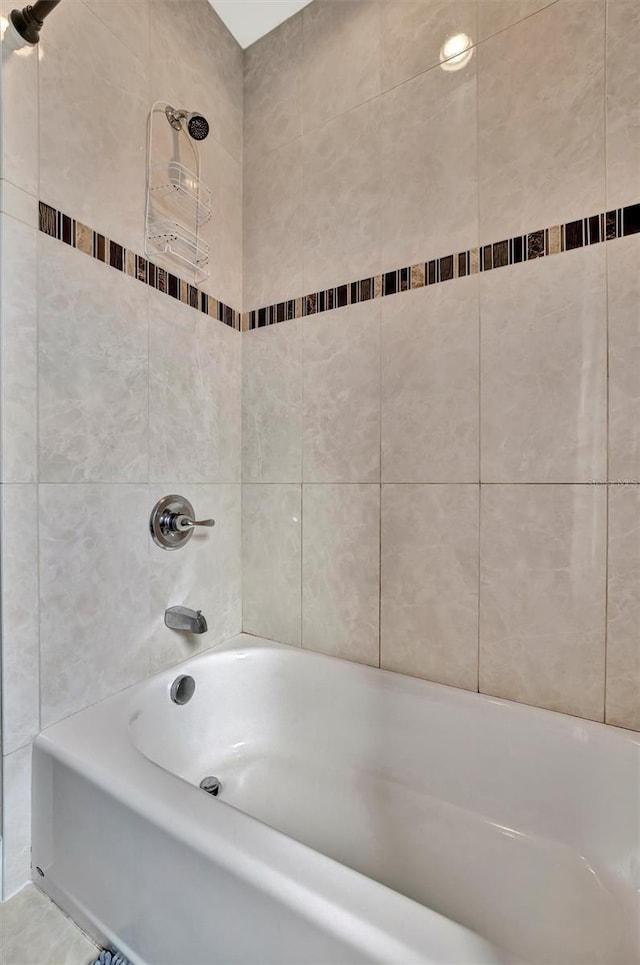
<point x="61" y="226"/>
<point x="537" y="244"/>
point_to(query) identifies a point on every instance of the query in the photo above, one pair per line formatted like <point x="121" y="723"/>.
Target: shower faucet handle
<point x="173" y="521"/>
<point x="183" y="523"/>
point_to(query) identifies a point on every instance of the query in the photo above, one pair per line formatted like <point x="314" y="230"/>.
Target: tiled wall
<point x="113" y="393"/>
<point x="445" y="482"/>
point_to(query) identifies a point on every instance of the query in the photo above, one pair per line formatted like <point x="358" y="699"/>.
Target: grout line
<point x="380" y="491"/>
<point x="37" y="414"/>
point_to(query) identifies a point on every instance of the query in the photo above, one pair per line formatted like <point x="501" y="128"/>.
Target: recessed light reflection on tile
<point x="456" y="52"/>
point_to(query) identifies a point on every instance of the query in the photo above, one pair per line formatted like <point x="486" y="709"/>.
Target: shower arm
<point x="28" y="21"/>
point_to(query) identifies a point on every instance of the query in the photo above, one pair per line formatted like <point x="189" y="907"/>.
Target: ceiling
<point x="250" y="19"/>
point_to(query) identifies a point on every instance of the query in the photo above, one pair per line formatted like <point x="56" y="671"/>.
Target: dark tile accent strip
<point x="591" y="230"/>
<point x="631" y="219"/>
<point x="48" y="220"/>
<point x="61" y="226"/>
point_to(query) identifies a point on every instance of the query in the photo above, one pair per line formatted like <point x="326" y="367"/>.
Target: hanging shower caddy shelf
<point x="178" y="202"/>
<point x="168" y="237"/>
<point x="183" y="190"/>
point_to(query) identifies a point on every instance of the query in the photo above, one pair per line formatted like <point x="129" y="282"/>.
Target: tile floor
<point x="33" y="931"/>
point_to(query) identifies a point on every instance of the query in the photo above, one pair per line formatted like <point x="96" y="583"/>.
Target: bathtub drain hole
<point x="211" y="785"/>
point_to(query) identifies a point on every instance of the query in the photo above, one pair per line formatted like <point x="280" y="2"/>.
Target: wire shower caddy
<point x="178" y="203"/>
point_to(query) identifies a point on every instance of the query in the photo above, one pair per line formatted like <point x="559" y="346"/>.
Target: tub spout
<point x="182" y="618"/>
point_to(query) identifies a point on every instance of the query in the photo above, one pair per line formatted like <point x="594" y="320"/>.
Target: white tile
<point x="341" y="178"/>
<point x="623" y="608"/>
<point x="497" y="15"/>
<point x="623" y="293"/>
<point x="19" y="113"/>
<point x="430" y="384"/>
<point x="429" y="595"/>
<point x="273" y="227"/>
<point x="94" y="593"/>
<point x="19" y="352"/>
<point x="195" y="395"/>
<point x="272" y="404"/>
<point x="20" y="627"/>
<point x="341" y="393"/>
<point x="623" y="103"/>
<point x="342" y="58"/>
<point x="16" y="777"/>
<point x="93" y="371"/>
<point x="542" y="596"/>
<point x="341" y="571"/>
<point x="129" y="22"/>
<point x="544" y="370"/>
<point x="18" y="204"/>
<point x="535" y="169"/>
<point x="429" y="167"/>
<point x="271" y="561"/>
<point x="93" y="122"/>
<point x="273" y="71"/>
<point x="413" y="33"/>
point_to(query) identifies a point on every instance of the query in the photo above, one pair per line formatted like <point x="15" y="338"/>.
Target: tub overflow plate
<point x="211" y="785"/>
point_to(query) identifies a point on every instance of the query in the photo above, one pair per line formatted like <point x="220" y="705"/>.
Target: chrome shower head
<point x="197" y="125"/>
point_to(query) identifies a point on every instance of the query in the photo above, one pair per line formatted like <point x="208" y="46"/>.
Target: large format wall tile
<point x="196" y="61"/>
<point x="342" y="57"/>
<point x="95" y="169"/>
<point x="194" y="395"/>
<point x="205" y="574"/>
<point x="128" y="20"/>
<point x="273" y="90"/>
<point x="18" y="204"/>
<point x="341" y="572"/>
<point x="430" y="384"/>
<point x="429" y="594"/>
<point x="623" y="102"/>
<point x="542" y="596"/>
<point x="414" y="31"/>
<point x="16" y="820"/>
<point x="271" y="561"/>
<point x="623" y="610"/>
<point x="20" y="644"/>
<point x="543" y="370"/>
<point x="497" y="15"/>
<point x="223" y="175"/>
<point x="93" y="381"/>
<point x="624" y="361"/>
<point x="536" y="168"/>
<point x="429" y="195"/>
<point x="341" y="392"/>
<point x="19" y="119"/>
<point x="272" y="404"/>
<point x="341" y="178"/>
<point x="94" y="594"/>
<point x="272" y="246"/>
<point x="19" y="352"/>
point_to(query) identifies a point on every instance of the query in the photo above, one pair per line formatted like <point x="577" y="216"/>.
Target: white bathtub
<point x="364" y="817"/>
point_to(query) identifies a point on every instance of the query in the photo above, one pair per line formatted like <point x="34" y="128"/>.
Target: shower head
<point x="27" y="23"/>
<point x="197" y="125"/>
